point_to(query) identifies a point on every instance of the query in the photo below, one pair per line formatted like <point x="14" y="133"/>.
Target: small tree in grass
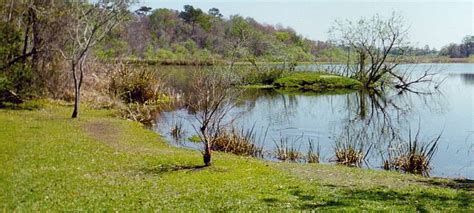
<point x="88" y="24"/>
<point x="210" y="99"/>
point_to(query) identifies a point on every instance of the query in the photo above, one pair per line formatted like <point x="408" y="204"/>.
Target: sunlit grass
<point x="50" y="162"/>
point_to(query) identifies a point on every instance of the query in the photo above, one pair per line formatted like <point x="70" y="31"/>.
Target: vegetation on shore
<point x="98" y="162"/>
<point x="316" y="81"/>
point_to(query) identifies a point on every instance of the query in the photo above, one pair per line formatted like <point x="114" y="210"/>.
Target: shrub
<point x="265" y="76"/>
<point x="136" y="85"/>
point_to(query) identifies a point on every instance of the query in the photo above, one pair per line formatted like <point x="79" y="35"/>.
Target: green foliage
<point x="282" y="36"/>
<point x="195" y="139"/>
<point x="333" y="54"/>
<point x="316" y="81"/>
<point x="265" y="76"/>
<point x="165" y="54"/>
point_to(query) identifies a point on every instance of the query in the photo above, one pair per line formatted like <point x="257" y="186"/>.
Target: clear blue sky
<point x="435" y="23"/>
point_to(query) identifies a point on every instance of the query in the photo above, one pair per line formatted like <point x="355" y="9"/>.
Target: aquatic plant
<point x="286" y="151"/>
<point x="177" y="130"/>
<point x="350" y="148"/>
<point x="313" y="155"/>
<point x="414" y="156"/>
<point x="243" y="142"/>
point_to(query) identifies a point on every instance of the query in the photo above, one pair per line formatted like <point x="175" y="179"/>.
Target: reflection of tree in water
<point x="380" y="119"/>
<point x="468" y="78"/>
<point x="284" y="106"/>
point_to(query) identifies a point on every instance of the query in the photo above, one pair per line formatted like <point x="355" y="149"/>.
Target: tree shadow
<point x="422" y="201"/>
<point x="462" y="184"/>
<point x="172" y="168"/>
<point x="418" y="200"/>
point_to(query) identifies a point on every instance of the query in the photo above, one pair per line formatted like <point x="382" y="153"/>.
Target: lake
<point x="377" y="120"/>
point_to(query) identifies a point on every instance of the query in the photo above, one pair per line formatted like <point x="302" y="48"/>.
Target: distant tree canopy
<point x="463" y="50"/>
<point x="192" y="34"/>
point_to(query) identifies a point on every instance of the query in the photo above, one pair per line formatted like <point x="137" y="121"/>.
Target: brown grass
<point x="413" y="156"/>
<point x="238" y="142"/>
<point x="288" y="151"/>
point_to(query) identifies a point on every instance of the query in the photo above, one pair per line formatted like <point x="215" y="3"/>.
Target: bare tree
<point x="87" y="25"/>
<point x="375" y="47"/>
<point x="210" y="99"/>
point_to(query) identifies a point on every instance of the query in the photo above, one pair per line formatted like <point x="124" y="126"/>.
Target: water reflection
<point x="468" y="78"/>
<point x="380" y="120"/>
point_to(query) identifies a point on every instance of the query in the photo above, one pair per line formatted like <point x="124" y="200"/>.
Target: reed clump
<point x="237" y="142"/>
<point x="313" y="154"/>
<point x="350" y="149"/>
<point x="413" y="156"/>
<point x="286" y="151"/>
<point x="177" y="130"/>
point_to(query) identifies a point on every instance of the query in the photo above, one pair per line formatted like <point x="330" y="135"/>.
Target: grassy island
<point x="316" y="81"/>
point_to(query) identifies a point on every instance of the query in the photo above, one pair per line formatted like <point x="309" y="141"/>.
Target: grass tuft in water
<point x="313" y="155"/>
<point x="243" y="142"/>
<point x="350" y="149"/>
<point x="288" y="151"/>
<point x="414" y="156"/>
<point x="177" y="130"/>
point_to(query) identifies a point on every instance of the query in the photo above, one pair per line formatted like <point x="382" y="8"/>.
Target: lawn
<point x="99" y="162"/>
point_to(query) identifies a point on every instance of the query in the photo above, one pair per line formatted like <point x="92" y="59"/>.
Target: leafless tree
<point x="87" y="25"/>
<point x="211" y="98"/>
<point x="375" y="47"/>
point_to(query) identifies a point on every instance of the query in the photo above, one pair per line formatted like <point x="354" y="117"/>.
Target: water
<point x="326" y="118"/>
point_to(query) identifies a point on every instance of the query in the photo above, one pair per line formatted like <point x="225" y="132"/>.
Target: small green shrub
<point x="265" y="76"/>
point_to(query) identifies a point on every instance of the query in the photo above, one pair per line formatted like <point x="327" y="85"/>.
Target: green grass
<point x="316" y="81"/>
<point x="97" y="162"/>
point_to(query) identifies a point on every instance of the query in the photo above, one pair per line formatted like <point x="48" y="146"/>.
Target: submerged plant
<point x="414" y="156"/>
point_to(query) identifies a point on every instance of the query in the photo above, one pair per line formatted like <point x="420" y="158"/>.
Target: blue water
<point x="323" y="119"/>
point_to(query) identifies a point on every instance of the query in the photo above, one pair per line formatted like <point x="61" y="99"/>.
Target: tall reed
<point x="243" y="142"/>
<point x="288" y="151"/>
<point x="414" y="156"/>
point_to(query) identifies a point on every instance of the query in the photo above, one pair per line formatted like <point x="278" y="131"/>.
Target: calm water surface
<point x="326" y="118"/>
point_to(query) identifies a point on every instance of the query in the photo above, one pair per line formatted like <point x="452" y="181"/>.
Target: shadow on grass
<point x="463" y="184"/>
<point x="363" y="199"/>
<point x="172" y="168"/>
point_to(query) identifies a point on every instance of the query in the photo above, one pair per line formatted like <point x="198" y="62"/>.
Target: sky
<point x="432" y="22"/>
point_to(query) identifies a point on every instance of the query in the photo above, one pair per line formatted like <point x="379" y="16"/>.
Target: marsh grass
<point x="351" y="149"/>
<point x="286" y="150"/>
<point x="314" y="153"/>
<point x="240" y="142"/>
<point x="414" y="156"/>
<point x="177" y="130"/>
<point x="143" y="113"/>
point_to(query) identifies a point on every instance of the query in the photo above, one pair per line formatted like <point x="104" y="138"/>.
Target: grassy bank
<point x="98" y="162"/>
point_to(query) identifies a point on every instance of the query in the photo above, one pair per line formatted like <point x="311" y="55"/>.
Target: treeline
<point x="463" y="50"/>
<point x="192" y="34"/>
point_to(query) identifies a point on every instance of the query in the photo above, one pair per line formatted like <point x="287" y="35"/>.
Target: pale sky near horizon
<point x="435" y="23"/>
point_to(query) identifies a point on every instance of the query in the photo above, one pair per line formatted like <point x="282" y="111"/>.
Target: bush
<point x="265" y="76"/>
<point x="136" y="85"/>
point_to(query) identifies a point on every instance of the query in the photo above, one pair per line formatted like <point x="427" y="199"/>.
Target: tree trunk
<point x="207" y="154"/>
<point x="76" y="91"/>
